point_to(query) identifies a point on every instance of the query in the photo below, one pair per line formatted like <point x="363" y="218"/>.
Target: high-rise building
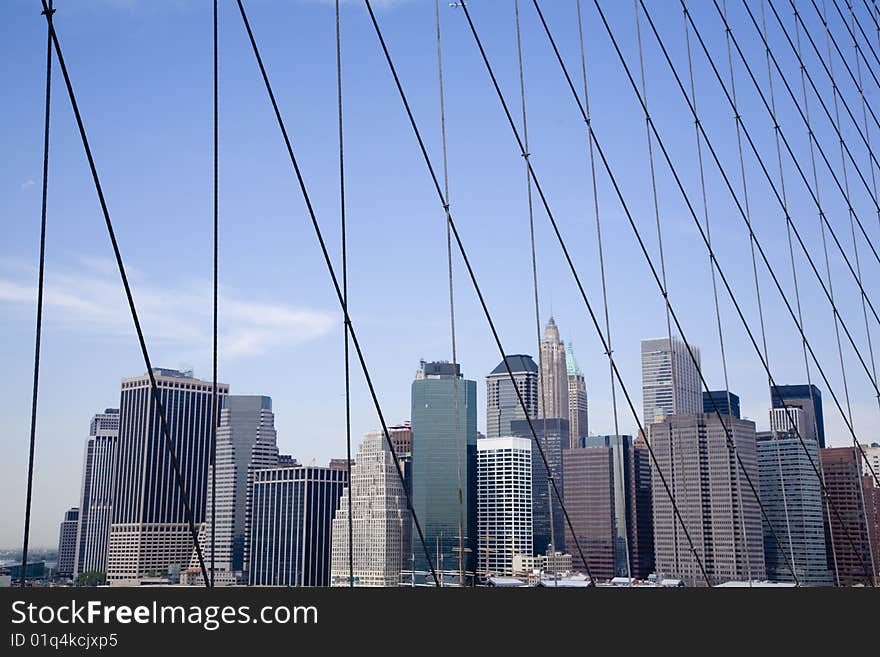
<point x="791" y="420"/>
<point x="547" y="518"/>
<point x="553" y="378"/>
<point x="670" y="379"/>
<point x="401" y="438"/>
<point x="578" y="424"/>
<point x="504" y="502"/>
<point x="719" y="510"/>
<point x="149" y="531"/>
<point x="96" y="493"/>
<point x="440" y="452"/>
<point x="809" y="399"/>
<point x="290" y="532"/>
<point x="872" y="454"/>
<point x="502" y="402"/>
<point x="67" y="543"/>
<point x="608" y="497"/>
<point x="246" y="442"/>
<point x="725" y="402"/>
<point x="792" y="498"/>
<point x="378" y="505"/>
<point x="852" y="523"/>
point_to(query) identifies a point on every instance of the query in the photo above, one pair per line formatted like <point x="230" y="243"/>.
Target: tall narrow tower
<point x="577" y="400"/>
<point x="553" y="379"/>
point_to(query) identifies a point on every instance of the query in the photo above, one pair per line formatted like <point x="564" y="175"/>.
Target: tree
<point x="91" y="578"/>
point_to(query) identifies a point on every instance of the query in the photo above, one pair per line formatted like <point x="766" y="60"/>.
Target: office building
<point x="719" y="510"/>
<point x="149" y="531"/>
<point x="401" y="438"/>
<point x="670" y="379"/>
<point x="246" y="442"/>
<point x="608" y="497"/>
<point x="578" y="424"/>
<point x="443" y="456"/>
<point x="290" y="533"/>
<point x="809" y="399"/>
<point x="67" y="543"/>
<point x="504" y="502"/>
<point x="851" y="520"/>
<point x="553" y="378"/>
<point x="791" y="420"/>
<point x="792" y="497"/>
<point x="725" y="402"/>
<point x="502" y="401"/>
<point x="96" y="493"/>
<point x="378" y="506"/>
<point x="547" y="518"/>
<point x="871" y="464"/>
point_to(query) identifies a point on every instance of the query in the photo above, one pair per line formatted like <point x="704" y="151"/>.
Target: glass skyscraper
<point x="438" y="446"/>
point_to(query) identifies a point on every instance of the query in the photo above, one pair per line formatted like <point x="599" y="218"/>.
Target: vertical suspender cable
<point x="214" y="409"/>
<point x="595" y="189"/>
<point x="541" y="377"/>
<point x="455" y="388"/>
<point x="344" y="295"/>
<point x="328" y="263"/>
<point x="47" y="12"/>
<point x="99" y="190"/>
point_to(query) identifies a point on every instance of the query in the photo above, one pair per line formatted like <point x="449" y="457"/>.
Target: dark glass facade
<point x="435" y="459"/>
<point x="290" y="532"/>
<point x="553" y="435"/>
<point x="720" y="399"/>
<point x="809" y="399"/>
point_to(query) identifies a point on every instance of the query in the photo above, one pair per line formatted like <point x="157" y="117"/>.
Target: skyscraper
<point x="725" y="402"/>
<point x="553" y="382"/>
<point x="438" y="449"/>
<point x="809" y="399"/>
<point x="852" y="524"/>
<point x="149" y="530"/>
<point x="502" y="402"/>
<point x="792" y="498"/>
<point x="378" y="505"/>
<point x="547" y="518"/>
<point x="577" y="400"/>
<point x="720" y="512"/>
<point x="67" y="543"/>
<point x="670" y="380"/>
<point x="504" y="501"/>
<point x="792" y="420"/>
<point x="96" y="493"/>
<point x="608" y="497"/>
<point x="246" y="442"/>
<point x="290" y="529"/>
<point x="872" y="467"/>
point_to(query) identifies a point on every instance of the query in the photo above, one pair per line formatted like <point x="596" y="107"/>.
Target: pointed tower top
<point x="551" y="332"/>
<point x="571" y="365"/>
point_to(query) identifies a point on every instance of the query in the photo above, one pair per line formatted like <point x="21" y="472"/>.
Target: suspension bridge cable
<point x="47" y="11"/>
<point x="650" y="262"/>
<point x="828" y="40"/>
<point x="456" y="402"/>
<point x="472" y="274"/>
<point x="595" y="190"/>
<point x="845" y="176"/>
<point x="345" y="348"/>
<point x="809" y="189"/>
<point x="864" y="108"/>
<point x="831" y="121"/>
<point x="130" y="298"/>
<point x="873" y="19"/>
<point x="542" y="376"/>
<point x="734" y="196"/>
<point x="849" y="28"/>
<point x="214" y="410"/>
<point x="578" y="282"/>
<point x="794" y="274"/>
<point x="334" y="279"/>
<point x="677" y="180"/>
<point x="600" y="248"/>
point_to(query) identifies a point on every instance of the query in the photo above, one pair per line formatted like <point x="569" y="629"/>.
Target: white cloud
<point x="90" y="298"/>
<point x="27" y="184"/>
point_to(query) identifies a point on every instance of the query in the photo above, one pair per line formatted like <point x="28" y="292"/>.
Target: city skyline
<point x="87" y="332"/>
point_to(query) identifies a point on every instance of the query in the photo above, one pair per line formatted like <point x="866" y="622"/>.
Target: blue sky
<point x="142" y="73"/>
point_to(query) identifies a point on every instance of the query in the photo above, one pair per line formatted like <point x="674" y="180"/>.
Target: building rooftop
<point x="517" y="363"/>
